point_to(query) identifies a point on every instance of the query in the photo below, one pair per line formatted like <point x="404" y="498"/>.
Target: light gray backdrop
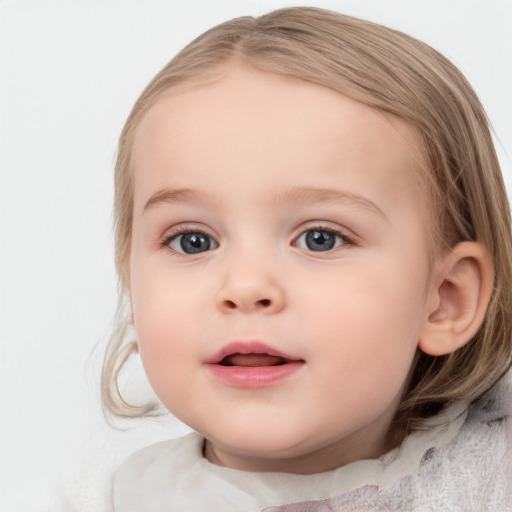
<point x="70" y="72"/>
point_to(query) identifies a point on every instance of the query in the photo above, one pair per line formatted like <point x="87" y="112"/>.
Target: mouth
<point x="252" y="360"/>
<point x="252" y="365"/>
<point x="250" y="354"/>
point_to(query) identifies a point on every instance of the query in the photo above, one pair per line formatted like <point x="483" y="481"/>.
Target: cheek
<point x="367" y="324"/>
<point x="165" y="319"/>
<point x="384" y="295"/>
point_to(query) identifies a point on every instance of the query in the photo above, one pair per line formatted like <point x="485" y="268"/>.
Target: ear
<point x="462" y="285"/>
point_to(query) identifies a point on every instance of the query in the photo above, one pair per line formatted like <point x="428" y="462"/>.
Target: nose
<point x="248" y="288"/>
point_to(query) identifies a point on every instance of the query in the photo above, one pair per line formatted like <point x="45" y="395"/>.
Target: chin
<point x="258" y="443"/>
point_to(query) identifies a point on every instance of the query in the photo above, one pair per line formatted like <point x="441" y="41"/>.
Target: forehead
<point x="251" y="123"/>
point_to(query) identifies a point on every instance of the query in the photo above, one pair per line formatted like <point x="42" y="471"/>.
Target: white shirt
<point x="174" y="475"/>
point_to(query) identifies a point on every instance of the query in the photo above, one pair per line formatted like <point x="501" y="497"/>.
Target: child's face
<point x="278" y="218"/>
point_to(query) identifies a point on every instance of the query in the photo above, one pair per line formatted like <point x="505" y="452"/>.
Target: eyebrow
<point x="168" y="195"/>
<point x="306" y="195"/>
<point x="299" y="195"/>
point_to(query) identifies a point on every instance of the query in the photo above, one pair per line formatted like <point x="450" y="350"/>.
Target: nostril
<point x="230" y="304"/>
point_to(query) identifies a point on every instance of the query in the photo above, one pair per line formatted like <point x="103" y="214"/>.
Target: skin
<point x="242" y="147"/>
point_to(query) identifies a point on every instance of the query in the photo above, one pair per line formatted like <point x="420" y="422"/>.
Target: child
<point x="314" y="237"/>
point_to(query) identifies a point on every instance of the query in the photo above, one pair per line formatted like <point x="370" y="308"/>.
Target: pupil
<point x="195" y="241"/>
<point x="192" y="243"/>
<point x="320" y="240"/>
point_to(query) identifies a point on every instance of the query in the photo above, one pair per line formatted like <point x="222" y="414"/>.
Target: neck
<point x="319" y="461"/>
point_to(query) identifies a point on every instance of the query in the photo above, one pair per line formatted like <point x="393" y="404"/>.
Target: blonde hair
<point x="394" y="73"/>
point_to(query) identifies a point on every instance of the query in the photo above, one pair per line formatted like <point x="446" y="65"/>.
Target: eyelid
<point x="347" y="236"/>
<point x="176" y="231"/>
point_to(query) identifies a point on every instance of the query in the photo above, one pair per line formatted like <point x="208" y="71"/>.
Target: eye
<point x="320" y="240"/>
<point x="192" y="242"/>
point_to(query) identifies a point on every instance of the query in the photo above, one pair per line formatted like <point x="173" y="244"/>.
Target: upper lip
<point x="248" y="347"/>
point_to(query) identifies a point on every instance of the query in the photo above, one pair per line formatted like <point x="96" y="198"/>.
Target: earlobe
<point x="462" y="288"/>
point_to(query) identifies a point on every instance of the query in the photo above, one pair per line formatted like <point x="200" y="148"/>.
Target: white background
<point x="70" y="70"/>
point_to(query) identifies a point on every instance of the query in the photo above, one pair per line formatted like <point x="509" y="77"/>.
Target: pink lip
<point x="252" y="376"/>
<point x="247" y="347"/>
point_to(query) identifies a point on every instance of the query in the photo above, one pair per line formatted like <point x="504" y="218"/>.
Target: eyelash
<point x="347" y="240"/>
<point x="169" y="237"/>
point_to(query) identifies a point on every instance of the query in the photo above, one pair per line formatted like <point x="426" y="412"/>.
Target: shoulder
<point x="153" y="468"/>
<point x="475" y="469"/>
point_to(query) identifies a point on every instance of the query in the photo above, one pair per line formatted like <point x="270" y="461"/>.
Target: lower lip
<point x="254" y="376"/>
